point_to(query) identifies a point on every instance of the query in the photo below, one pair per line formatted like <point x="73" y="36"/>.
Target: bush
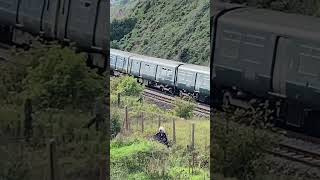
<point x="239" y="150"/>
<point x="135" y="158"/>
<point x="128" y="86"/>
<point x="52" y="76"/>
<point x="184" y="108"/>
<point x="59" y="77"/>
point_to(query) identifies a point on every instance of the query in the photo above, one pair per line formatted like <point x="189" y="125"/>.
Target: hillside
<point x="177" y="30"/>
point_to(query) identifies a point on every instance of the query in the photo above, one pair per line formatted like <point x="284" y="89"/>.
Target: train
<point x="169" y="76"/>
<point x="270" y="57"/>
<point x="84" y="23"/>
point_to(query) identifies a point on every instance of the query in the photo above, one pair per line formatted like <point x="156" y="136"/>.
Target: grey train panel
<point x="121" y="64"/>
<point x="148" y="70"/>
<point x="8" y="12"/>
<point x="30" y="15"/>
<point x="203" y="83"/>
<point x="81" y="21"/>
<point x="245" y="58"/>
<point x="186" y="80"/>
<point x="303" y="76"/>
<point x="135" y="67"/>
<point x="166" y="74"/>
<point x="113" y="61"/>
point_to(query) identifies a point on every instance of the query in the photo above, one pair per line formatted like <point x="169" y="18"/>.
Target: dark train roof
<point x="275" y="21"/>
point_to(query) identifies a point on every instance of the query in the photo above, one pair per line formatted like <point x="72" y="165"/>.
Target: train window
<point x="231" y="42"/>
<point x="309" y="64"/>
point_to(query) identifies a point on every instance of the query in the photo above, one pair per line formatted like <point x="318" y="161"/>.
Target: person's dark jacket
<point x="162" y="138"/>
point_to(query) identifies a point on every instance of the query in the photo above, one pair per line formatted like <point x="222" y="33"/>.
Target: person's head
<point x="161" y="129"/>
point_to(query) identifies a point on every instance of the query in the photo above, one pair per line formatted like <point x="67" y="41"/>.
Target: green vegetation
<point x="177" y="30"/>
<point x="119" y="28"/>
<point x="134" y="156"/>
<point x="128" y="86"/>
<point x="62" y="90"/>
<point x="53" y="77"/>
<point x="184" y="108"/>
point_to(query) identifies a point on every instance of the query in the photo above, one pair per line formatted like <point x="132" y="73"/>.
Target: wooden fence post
<point x="192" y="137"/>
<point x="142" y="123"/>
<point x="53" y="160"/>
<point x="159" y="121"/>
<point x="103" y="169"/>
<point x="174" y="130"/>
<point x="119" y="99"/>
<point x="126" y="118"/>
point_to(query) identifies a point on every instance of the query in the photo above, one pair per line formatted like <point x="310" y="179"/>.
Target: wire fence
<point x="144" y="122"/>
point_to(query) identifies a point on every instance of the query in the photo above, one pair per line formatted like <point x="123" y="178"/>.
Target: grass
<point x="138" y="158"/>
<point x="152" y="160"/>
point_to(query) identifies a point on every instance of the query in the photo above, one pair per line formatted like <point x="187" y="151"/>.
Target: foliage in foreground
<point x="52" y="76"/>
<point x="62" y="89"/>
<point x="239" y="150"/>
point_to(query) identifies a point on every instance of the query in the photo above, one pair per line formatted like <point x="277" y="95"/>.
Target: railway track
<point x="200" y="109"/>
<point x="297" y="154"/>
<point x="282" y="150"/>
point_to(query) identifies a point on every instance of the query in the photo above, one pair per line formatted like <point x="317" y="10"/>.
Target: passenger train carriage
<point x="270" y="56"/>
<point x="83" y="22"/>
<point x="169" y="76"/>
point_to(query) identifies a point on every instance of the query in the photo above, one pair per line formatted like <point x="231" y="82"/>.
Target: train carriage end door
<point x="284" y="54"/>
<point x="281" y="65"/>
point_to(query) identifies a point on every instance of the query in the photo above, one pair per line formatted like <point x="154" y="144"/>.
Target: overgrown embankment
<point x="135" y="156"/>
<point x="177" y="30"/>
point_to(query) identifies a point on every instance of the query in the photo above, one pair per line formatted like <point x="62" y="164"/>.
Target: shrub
<point x="184" y="108"/>
<point x="239" y="150"/>
<point x="128" y="86"/>
<point x="59" y="77"/>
